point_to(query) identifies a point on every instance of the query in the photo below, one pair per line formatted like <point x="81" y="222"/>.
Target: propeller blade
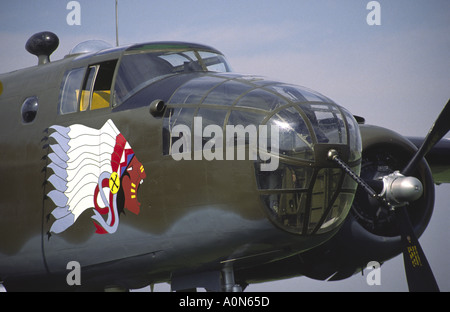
<point x="418" y="271"/>
<point x="438" y="130"/>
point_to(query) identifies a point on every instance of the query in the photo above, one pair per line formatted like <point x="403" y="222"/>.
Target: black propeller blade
<point x="438" y="130"/>
<point x="418" y="271"/>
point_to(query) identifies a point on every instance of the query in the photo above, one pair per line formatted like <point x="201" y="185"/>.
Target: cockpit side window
<point x="94" y="83"/>
<point x="68" y="100"/>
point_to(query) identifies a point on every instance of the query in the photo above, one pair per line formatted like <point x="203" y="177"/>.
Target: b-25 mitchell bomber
<point x="155" y="162"/>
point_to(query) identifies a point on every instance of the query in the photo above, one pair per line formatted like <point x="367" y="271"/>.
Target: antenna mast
<point x="117" y="25"/>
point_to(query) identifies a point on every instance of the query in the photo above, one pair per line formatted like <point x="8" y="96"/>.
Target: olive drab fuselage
<point x="94" y="171"/>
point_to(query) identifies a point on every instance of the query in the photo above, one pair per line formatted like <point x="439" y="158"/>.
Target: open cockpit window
<point x="87" y="88"/>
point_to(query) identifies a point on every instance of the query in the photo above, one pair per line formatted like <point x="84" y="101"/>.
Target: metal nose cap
<point x="406" y="189"/>
<point x="403" y="189"/>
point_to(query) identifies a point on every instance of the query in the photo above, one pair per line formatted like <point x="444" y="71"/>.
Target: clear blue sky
<point x="396" y="75"/>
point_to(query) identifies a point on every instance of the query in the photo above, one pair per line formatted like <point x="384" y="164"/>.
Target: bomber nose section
<point x="307" y="194"/>
<point x="304" y="193"/>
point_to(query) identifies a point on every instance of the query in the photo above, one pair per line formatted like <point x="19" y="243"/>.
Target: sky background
<point x="396" y="75"/>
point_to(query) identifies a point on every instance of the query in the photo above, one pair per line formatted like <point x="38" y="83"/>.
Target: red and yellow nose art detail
<point x="92" y="169"/>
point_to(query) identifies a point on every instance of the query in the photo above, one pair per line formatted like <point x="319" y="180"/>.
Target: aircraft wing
<point x="438" y="159"/>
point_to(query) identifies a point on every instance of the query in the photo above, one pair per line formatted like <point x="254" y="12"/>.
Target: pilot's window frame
<point x="87" y="89"/>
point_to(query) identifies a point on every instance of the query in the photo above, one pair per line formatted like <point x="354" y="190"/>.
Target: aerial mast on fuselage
<point x="117" y="24"/>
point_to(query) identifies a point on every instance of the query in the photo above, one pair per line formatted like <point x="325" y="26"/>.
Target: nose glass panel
<point x="295" y="136"/>
<point x="306" y="195"/>
<point x="304" y="200"/>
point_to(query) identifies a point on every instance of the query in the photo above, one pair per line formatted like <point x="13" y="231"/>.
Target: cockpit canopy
<point x="144" y="64"/>
<point x="102" y="77"/>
